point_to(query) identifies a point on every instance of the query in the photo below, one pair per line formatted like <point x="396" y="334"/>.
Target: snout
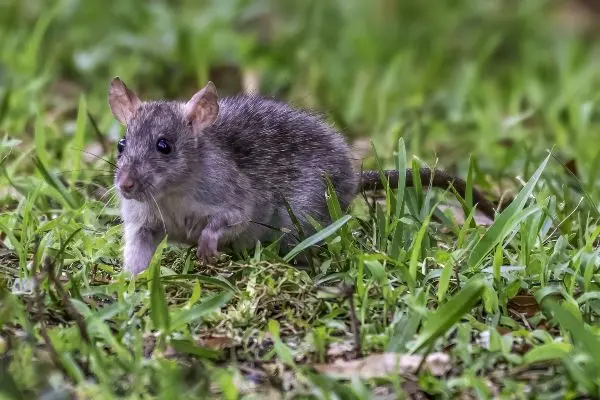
<point x="127" y="185"/>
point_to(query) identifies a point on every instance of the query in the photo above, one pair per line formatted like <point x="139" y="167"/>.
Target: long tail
<point x="371" y="180"/>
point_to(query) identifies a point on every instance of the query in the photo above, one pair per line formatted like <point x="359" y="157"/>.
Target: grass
<point x="500" y="92"/>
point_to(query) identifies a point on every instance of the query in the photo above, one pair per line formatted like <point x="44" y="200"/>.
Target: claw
<point x="207" y="251"/>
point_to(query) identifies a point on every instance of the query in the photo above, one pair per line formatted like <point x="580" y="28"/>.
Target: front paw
<point x="208" y="246"/>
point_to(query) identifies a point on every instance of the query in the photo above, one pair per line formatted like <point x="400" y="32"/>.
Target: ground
<point x="405" y="296"/>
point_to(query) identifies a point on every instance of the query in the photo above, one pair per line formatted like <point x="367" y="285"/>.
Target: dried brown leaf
<point x="215" y="342"/>
<point x="524" y="304"/>
<point x="379" y="365"/>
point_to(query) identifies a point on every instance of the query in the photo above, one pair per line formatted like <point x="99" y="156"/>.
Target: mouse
<point x="220" y="172"/>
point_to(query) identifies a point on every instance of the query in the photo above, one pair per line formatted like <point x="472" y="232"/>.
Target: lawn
<point x="411" y="293"/>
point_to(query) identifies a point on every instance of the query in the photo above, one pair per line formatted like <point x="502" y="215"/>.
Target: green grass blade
<point x="417" y="184"/>
<point x="188" y="347"/>
<point x="497" y="263"/>
<point x="416" y="248"/>
<point x="159" y="310"/>
<point x="217" y="281"/>
<point x="54" y="182"/>
<point x="336" y="212"/>
<point x="444" y="282"/>
<point x="580" y="333"/>
<point x="405" y="330"/>
<point x="498" y="230"/>
<point x="449" y="314"/>
<point x="5" y="103"/>
<point x="547" y="352"/>
<point x="8" y="386"/>
<point x="469" y="186"/>
<point x="317" y="237"/>
<point x="283" y="351"/>
<point x="79" y="138"/>
<point x="40" y="140"/>
<point x="199" y="310"/>
<point x="401" y="168"/>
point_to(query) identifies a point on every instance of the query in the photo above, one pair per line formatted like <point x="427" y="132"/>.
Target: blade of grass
<point x="79" y="138"/>
<point x="401" y="168"/>
<point x="469" y="187"/>
<point x="336" y="212"/>
<point x="416" y="248"/>
<point x="197" y="311"/>
<point x="580" y="333"/>
<point x="283" y="351"/>
<point x="444" y="282"/>
<point x="547" y="352"/>
<point x="317" y="237"/>
<point x="54" y="182"/>
<point x="217" y="281"/>
<point x="417" y="184"/>
<point x="449" y="314"/>
<point x="40" y="140"/>
<point x="188" y="347"/>
<point x="5" y="103"/>
<point x="498" y="230"/>
<point x="159" y="310"/>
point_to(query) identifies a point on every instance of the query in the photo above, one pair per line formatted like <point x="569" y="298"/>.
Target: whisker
<point x="81" y="170"/>
<point x="92" y="180"/>
<point x="105" y="206"/>
<point x="94" y="155"/>
<point x="102" y="139"/>
<point x="110" y="189"/>
<point x="159" y="212"/>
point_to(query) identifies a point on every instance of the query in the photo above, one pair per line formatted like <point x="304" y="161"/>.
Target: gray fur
<point x="220" y="187"/>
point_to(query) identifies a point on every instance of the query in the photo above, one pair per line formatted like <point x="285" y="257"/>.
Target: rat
<point x="220" y="172"/>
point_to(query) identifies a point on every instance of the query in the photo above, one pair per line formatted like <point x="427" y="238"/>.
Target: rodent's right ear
<point x="123" y="102"/>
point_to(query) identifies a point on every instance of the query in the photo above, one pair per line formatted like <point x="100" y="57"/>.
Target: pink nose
<point x="126" y="184"/>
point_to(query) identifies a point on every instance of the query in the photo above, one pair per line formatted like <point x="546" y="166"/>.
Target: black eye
<point x="121" y="145"/>
<point x="163" y="146"/>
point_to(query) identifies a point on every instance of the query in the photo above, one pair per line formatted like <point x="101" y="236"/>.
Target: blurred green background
<point x="502" y="80"/>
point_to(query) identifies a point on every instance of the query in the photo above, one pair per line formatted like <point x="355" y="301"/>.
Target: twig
<point x="71" y="311"/>
<point x="522" y="317"/>
<point x="424" y="359"/>
<point x="40" y="315"/>
<point x="349" y="292"/>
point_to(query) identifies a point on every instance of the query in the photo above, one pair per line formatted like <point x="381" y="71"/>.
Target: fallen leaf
<point x="503" y="330"/>
<point x="215" y="342"/>
<point x="524" y="303"/>
<point x="379" y="365"/>
<point x="340" y="349"/>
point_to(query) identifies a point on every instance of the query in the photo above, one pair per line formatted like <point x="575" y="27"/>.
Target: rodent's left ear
<point x="202" y="109"/>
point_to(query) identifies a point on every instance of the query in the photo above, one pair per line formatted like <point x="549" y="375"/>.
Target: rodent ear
<point x="123" y="102"/>
<point x="202" y="109"/>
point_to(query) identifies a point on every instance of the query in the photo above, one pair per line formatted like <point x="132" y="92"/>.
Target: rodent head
<point x="161" y="139"/>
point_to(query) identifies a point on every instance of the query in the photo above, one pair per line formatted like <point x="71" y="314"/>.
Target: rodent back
<point x="282" y="149"/>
